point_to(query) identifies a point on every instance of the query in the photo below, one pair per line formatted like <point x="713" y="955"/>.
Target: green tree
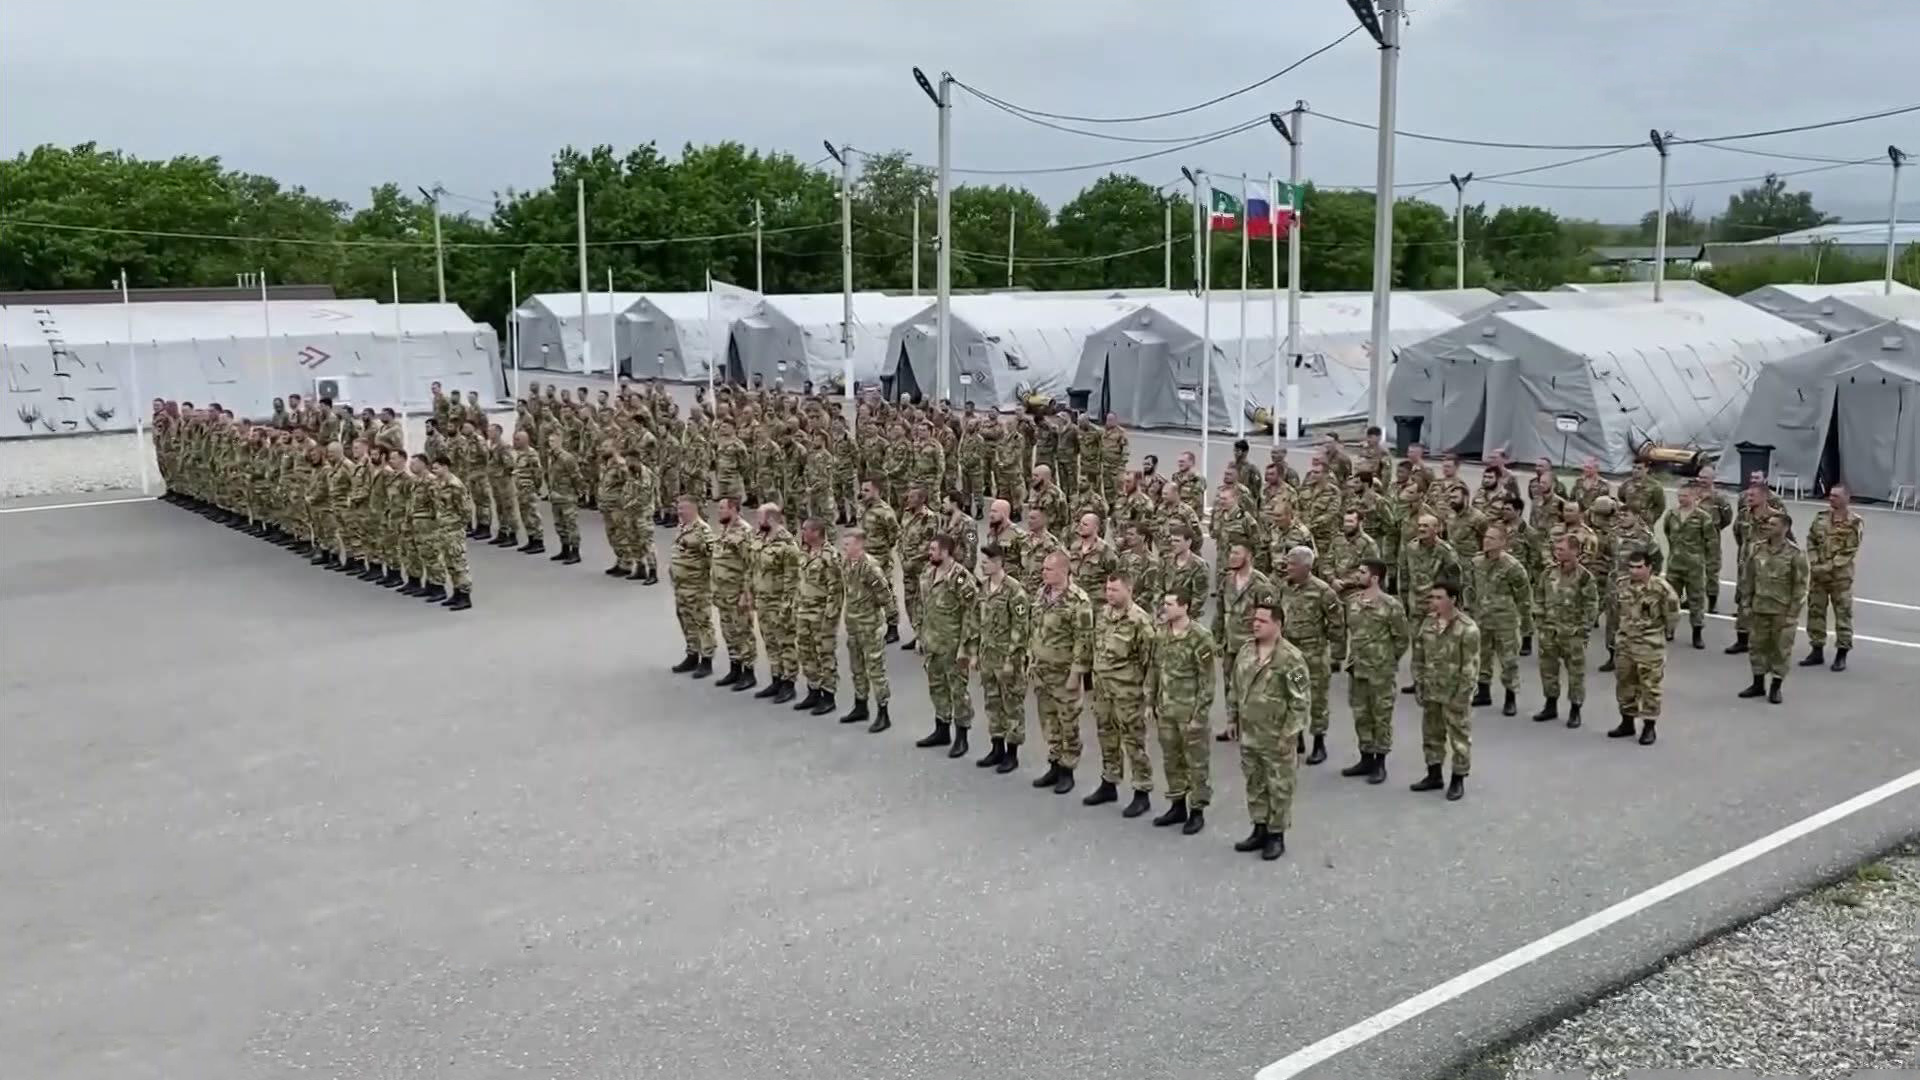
<point x="1682" y="226"/>
<point x="1767" y="209"/>
<point x="1121" y="213"/>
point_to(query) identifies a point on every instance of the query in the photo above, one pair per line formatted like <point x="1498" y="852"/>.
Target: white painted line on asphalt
<point x="1857" y="600"/>
<point x="1382" y="1022"/>
<point x="74" y="505"/>
<point x="1856" y="637"/>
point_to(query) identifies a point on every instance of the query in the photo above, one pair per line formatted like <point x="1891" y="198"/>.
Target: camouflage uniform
<point x="1180" y="692"/>
<point x="1689" y="539"/>
<point x="1421" y="565"/>
<point x="1646" y="610"/>
<point x="1010" y="469"/>
<point x="1774" y="589"/>
<point x="882" y="527"/>
<point x="1190" y="579"/>
<point x="869" y="607"/>
<point x="730" y="460"/>
<point x="1233" y="605"/>
<point x="1833" y="547"/>
<point x="1448" y="673"/>
<point x="691" y="572"/>
<point x="1376" y="635"/>
<point x="916" y="529"/>
<point x="564" y="487"/>
<point x="1034" y="549"/>
<point x="528" y="478"/>
<point x="949" y="638"/>
<point x="1569" y="602"/>
<point x="775" y="584"/>
<point x="453" y="516"/>
<point x="1316" y="623"/>
<point x="1271" y="698"/>
<point x="816" y="618"/>
<point x="1062" y="654"/>
<point x="732" y="596"/>
<point x="1645" y="497"/>
<point x="1006" y="630"/>
<point x="1122" y="651"/>
<point x="1496" y="596"/>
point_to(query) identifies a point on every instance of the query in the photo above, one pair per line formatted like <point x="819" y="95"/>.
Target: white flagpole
<point x="1294" y="206"/>
<point x="1205" y="269"/>
<point x="400" y="358"/>
<point x="1012" y="217"/>
<point x="715" y="355"/>
<point x="1274" y="416"/>
<point x="580" y="219"/>
<point x="1240" y="380"/>
<point x="759" y="278"/>
<point x="266" y="332"/>
<point x="513" y="327"/>
<point x="916" y="245"/>
<point x="133" y="383"/>
<point x="613" y="340"/>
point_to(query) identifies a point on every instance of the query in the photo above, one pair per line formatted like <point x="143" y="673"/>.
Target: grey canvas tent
<point x="1569" y="383"/>
<point x="1836" y="309"/>
<point x="789" y="339"/>
<point x="672" y="336"/>
<point x="1003" y="347"/>
<point x="1846" y="411"/>
<point x="76" y="368"/>
<point x="553" y="338"/>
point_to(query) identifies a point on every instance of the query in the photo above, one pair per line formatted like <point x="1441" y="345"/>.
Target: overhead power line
<point x="1735" y="137"/>
<point x="1722" y="181"/>
<point x="21" y="223"/>
<point x="1085" y="166"/>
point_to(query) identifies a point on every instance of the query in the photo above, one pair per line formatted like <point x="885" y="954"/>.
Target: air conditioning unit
<point x="333" y="389"/>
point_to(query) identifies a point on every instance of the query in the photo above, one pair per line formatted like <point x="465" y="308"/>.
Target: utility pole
<point x="1199" y="281"/>
<point x="1660" y="223"/>
<point x="759" y="281"/>
<point x="1291" y="133"/>
<point x="916" y="244"/>
<point x="1385" y="28"/>
<point x="1898" y="157"/>
<point x="439" y="252"/>
<point x="1013" y="216"/>
<point x="844" y="156"/>
<point x="1166" y="243"/>
<point x="580" y="216"/>
<point x="943" y="236"/>
<point x="1460" y="228"/>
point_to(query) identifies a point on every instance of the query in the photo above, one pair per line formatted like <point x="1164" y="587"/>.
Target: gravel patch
<point x="1826" y="985"/>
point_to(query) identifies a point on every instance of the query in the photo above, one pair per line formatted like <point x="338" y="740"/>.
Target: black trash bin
<point x="1754" y="458"/>
<point x="1406" y="432"/>
<point x="1077" y="400"/>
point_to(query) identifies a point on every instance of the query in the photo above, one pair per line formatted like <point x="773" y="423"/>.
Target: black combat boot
<point x="571" y="556"/>
<point x="786" y="692"/>
<point x="939" y="736"/>
<point x="960" y="746"/>
<point x="1359" y="768"/>
<point x="773" y="687"/>
<point x="691" y="661"/>
<point x="1739" y="644"/>
<point x="411" y="588"/>
<point x="1608" y="665"/>
<point x="732" y="676"/>
<point x="1196" y="820"/>
<point x="1646" y="733"/>
<point x="1255" y="840"/>
<point x="561" y="556"/>
<point x="1064" y="783"/>
<point x="995" y="754"/>
<point x="1510" y="706"/>
<point x="1622" y="730"/>
<point x="1010" y="761"/>
<point x="1526" y="645"/>
<point x="1047" y="778"/>
<point x="825" y="706"/>
<point x="434" y="594"/>
<point x="1275" y="846"/>
<point x="881" y="721"/>
<point x="1102" y="795"/>
<point x="393" y="579"/>
<point x="1140" y="804"/>
<point x="1756" y="688"/>
<point x="705" y="669"/>
<point x="462" y="600"/>
<point x="1839" y="659"/>
<point x="747" y="680"/>
<point x="616" y="570"/>
<point x="1573" y="715"/>
<point x="1319" y="752"/>
<point x="893" y="633"/>
<point x="858" y="713"/>
<point x="1429" y="782"/>
<point x="505" y="539"/>
<point x="536" y="546"/>
<point x="1773" y="692"/>
<point x="1456" y="788"/>
<point x="1175" y="814"/>
<point x="1300" y="744"/>
<point x="1815" y="656"/>
<point x="1379" y="773"/>
<point x="1483" y="694"/>
<point x="1699" y="637"/>
<point x="1549" y="711"/>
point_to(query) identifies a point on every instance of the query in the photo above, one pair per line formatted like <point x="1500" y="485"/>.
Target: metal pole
<point x="1200" y="276"/>
<point x="1273" y="283"/>
<point x="1660" y="223"/>
<point x="400" y="357"/>
<point x="944" y="271"/>
<point x="580" y="219"/>
<point x="1204" y="266"/>
<point x="1240" y="377"/>
<point x="1897" y="157"/>
<point x="1295" y="201"/>
<point x="846" y="280"/>
<point x="759" y="280"/>
<point x="613" y="337"/>
<point x="439" y="252"/>
<point x="133" y="389"/>
<point x="1166" y="244"/>
<point x="916" y="244"/>
<point x="1460" y="229"/>
<point x="1383" y="208"/>
<point x="513" y="327"/>
<point x="1013" y="216"/>
<point x="266" y="332"/>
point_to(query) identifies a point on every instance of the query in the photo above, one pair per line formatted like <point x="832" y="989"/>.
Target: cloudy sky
<point x="477" y="94"/>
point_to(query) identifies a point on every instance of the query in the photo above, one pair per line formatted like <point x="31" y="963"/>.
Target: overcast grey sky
<point x="478" y="94"/>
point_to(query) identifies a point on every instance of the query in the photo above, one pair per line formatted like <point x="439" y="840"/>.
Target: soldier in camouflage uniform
<point x="733" y="593"/>
<point x="880" y="540"/>
<point x="1036" y="544"/>
<point x="1269" y="691"/>
<point x="1590" y="485"/>
<point x="1642" y="494"/>
<point x="529" y="480"/>
<point x="1424" y="561"/>
<point x="917" y="527"/>
<point x="1569" y="600"/>
<point x="1756" y="505"/>
<point x="1180" y="696"/>
<point x="1006" y="631"/>
<point x="775" y="584"/>
<point x="565" y="484"/>
<point x="1235" y="525"/>
<point x="1062" y="656"/>
<point x="1190" y="485"/>
<point x="1377" y="634"/>
<point x="453" y="514"/>
<point x="1142" y="567"/>
<point x="1093" y="561"/>
<point x="1241" y="588"/>
<point x="818" y="598"/>
<point x="1647" y="609"/>
<point x="1171" y="515"/>
<point x="868" y="604"/>
<point x="1773" y="591"/>
<point x="1497" y="596"/>
<point x="1316" y="623"/>
<point x="1715" y="502"/>
<point x="731" y="462"/>
<point x="1690" y="531"/>
<point x="1448" y="672"/>
<point x="1833" y="547"/>
<point x="1004" y="533"/>
<point x="1011" y="465"/>
<point x="1184" y="571"/>
<point x="691" y="572"/>
<point x="948" y="642"/>
<point x="1122" y="652"/>
<point x="1044" y="494"/>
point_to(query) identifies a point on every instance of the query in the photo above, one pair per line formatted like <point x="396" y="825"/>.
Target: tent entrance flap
<point x="1460" y="418"/>
<point x="736" y="368"/>
<point x="1862" y="437"/>
<point x="905" y="383"/>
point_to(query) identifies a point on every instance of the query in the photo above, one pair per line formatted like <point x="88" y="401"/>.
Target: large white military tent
<point x="87" y="367"/>
<point x="1002" y="347"/>
<point x="1566" y="383"/>
<point x="1146" y="364"/>
<point x="1846" y="411"/>
<point x="1831" y="309"/>
<point x="794" y="338"/>
<point x="1670" y="289"/>
<point x="553" y="337"/>
<point x="669" y="335"/>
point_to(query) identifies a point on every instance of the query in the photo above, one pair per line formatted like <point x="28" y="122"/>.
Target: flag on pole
<point x="1272" y="219"/>
<point x="1225" y="213"/>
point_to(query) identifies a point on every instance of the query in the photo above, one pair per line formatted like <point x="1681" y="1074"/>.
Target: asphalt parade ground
<point x="259" y="819"/>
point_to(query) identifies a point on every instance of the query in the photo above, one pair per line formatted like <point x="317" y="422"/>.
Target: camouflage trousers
<point x="1371" y="699"/>
<point x="1638" y="673"/>
<point x="867" y="658"/>
<point x="566" y="521"/>
<point x="1319" y="681"/>
<point x="619" y="535"/>
<point x="483" y="509"/>
<point x="1003" y="684"/>
<point x="1269" y="760"/>
<point x="1120" y="726"/>
<point x="888" y="568"/>
<point x="1447" y="727"/>
<point x="505" y="509"/>
<point x="1742" y="607"/>
<point x="693" y="606"/>
<point x="1011" y="487"/>
<point x="910" y="586"/>
<point x="1058" y="707"/>
<point x="1561" y="648"/>
<point x="450" y="549"/>
<point x="730" y="485"/>
<point x="777" y="636"/>
<point x="1835" y="591"/>
<point x="816" y="635"/>
<point x="736" y="624"/>
<point x="1500" y="641"/>
<point x="526" y="517"/>
<point x="1771" y="644"/>
<point x="1186" y="760"/>
<point x="1690" y="585"/>
<point x="947" y="685"/>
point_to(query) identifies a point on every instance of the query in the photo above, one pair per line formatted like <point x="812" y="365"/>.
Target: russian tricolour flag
<point x="1272" y="218"/>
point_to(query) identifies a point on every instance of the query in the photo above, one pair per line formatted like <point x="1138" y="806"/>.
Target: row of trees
<point x="664" y="223"/>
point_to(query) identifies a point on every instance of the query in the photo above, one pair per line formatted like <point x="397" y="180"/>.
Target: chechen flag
<point x="1264" y="219"/>
<point x="1225" y="216"/>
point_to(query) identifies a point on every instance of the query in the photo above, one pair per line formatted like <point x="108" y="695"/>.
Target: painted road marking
<point x="1382" y="1022"/>
<point x="74" y="505"/>
<point x="1856" y="637"/>
<point x="1859" y="600"/>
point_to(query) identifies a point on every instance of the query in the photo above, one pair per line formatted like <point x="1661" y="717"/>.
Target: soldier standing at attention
<point x="1002" y="533"/>
<point x="1191" y="486"/>
<point x="1122" y="651"/>
<point x="869" y="604"/>
<point x="1647" y="607"/>
<point x="1690" y="533"/>
<point x="1833" y="547"/>
<point x="1424" y="561"/>
<point x="775" y="583"/>
<point x="1036" y="544"/>
<point x="948" y="642"/>
<point x="1316" y="624"/>
<point x="1010" y="465"/>
<point x="730" y="463"/>
<point x="1268" y="691"/>
<point x="1756" y="505"/>
<point x="1497" y="595"/>
<point x="1183" y="571"/>
<point x="1006" y="630"/>
<point x="960" y="528"/>
<point x="616" y="513"/>
<point x="1642" y="494"/>
<point x="1715" y="502"/>
<point x="1113" y="454"/>
<point x="1062" y="656"/>
<point x="880" y="533"/>
<point x="1180" y="695"/>
<point x="529" y="478"/>
<point x="1372" y="459"/>
<point x="691" y="573"/>
<point x="1448" y="671"/>
<point x="564" y="484"/>
<point x="1377" y="634"/>
<point x="1045" y="495"/>
<point x="816" y="617"/>
<point x="917" y="526"/>
<point x="1140" y="564"/>
<point x="1241" y="588"/>
<point x="453" y="512"/>
<point x="733" y="593"/>
<point x="1569" y="601"/>
<point x="1775" y="587"/>
<point x="1092" y="559"/>
<point x="1590" y="485"/>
